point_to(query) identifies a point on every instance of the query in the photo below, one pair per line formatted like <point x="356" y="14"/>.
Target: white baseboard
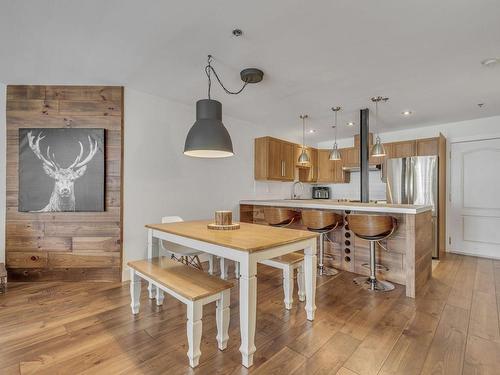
<point x="473" y="254"/>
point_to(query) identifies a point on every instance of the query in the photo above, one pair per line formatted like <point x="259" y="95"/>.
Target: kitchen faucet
<point x="294" y="195"/>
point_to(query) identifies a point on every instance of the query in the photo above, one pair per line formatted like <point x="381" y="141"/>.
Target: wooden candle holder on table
<point x="223" y="221"/>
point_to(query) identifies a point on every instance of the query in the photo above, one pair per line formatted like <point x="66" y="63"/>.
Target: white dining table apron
<point x="248" y="280"/>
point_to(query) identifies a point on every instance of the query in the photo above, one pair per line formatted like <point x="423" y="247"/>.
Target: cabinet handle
<point x="282" y="168"/>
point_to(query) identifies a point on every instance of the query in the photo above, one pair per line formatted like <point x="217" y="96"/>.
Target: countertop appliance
<point x="414" y="180"/>
<point x="321" y="192"/>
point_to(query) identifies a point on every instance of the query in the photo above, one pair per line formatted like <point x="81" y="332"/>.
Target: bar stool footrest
<point x="378" y="267"/>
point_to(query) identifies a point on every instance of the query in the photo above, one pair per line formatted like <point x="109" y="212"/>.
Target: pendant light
<point x="378" y="148"/>
<point x="304" y="158"/>
<point x="335" y="153"/>
<point x="208" y="137"/>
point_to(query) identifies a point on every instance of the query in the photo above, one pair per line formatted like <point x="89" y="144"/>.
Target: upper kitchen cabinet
<point x="428" y="146"/>
<point x="350" y="157"/>
<point x="274" y="159"/>
<point x="401" y="149"/>
<point x="307" y="172"/>
<point x="329" y="170"/>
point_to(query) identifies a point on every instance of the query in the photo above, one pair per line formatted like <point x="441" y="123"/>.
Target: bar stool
<point x="372" y="228"/>
<point x="322" y="222"/>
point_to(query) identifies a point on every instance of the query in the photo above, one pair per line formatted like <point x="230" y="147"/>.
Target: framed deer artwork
<point x="61" y="170"/>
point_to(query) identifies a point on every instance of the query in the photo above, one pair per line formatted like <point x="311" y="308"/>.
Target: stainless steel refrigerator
<point x="414" y="180"/>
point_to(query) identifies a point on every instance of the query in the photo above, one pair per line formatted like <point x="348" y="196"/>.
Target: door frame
<point x="450" y="141"/>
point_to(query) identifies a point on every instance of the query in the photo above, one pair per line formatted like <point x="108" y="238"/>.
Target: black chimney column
<point x="364" y="153"/>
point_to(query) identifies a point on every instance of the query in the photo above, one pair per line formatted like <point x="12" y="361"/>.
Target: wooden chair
<point x="190" y="286"/>
<point x="183" y="254"/>
<point x="322" y="222"/>
<point x="372" y="228"/>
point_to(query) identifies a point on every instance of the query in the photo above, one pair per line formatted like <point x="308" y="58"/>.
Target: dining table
<point x="247" y="245"/>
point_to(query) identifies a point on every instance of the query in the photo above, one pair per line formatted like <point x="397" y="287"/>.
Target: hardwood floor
<point x="87" y="328"/>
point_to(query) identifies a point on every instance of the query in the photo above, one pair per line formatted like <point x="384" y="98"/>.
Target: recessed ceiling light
<point x="312" y="131"/>
<point x="491" y="61"/>
<point x="237" y="32"/>
<point x="407" y="113"/>
<point x="350" y="123"/>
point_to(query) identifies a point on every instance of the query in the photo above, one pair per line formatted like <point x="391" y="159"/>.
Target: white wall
<point x="159" y="180"/>
<point x="3" y="137"/>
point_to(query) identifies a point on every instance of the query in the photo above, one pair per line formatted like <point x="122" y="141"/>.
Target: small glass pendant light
<point x="304" y="158"/>
<point x="378" y="148"/>
<point x="335" y="153"/>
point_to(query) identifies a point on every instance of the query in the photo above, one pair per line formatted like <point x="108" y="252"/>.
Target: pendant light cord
<point x="209" y="69"/>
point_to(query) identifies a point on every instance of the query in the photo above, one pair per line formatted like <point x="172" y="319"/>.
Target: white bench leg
<point x="160" y="295"/>
<point x="194" y="328"/>
<point x="135" y="291"/>
<point x="288" y="286"/>
<point x="222" y="314"/>
<point x="210" y="264"/>
<point x="223" y="268"/>
<point x="237" y="269"/>
<point x="301" y="282"/>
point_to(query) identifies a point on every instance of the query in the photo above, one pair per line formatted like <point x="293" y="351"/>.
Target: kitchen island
<point x="407" y="256"/>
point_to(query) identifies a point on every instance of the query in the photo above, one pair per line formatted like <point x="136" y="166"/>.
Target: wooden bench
<point x="190" y="286"/>
<point x="3" y="278"/>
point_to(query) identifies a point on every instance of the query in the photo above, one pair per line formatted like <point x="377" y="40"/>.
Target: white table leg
<point x="248" y="310"/>
<point x="288" y="286"/>
<point x="310" y="278"/>
<point x="194" y="329"/>
<point x="222" y="313"/>
<point x="135" y="291"/>
<point x="151" y="287"/>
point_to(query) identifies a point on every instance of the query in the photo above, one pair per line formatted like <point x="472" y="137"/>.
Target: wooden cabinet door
<point x="403" y="149"/>
<point x="350" y="156"/>
<point x="325" y="167"/>
<point x="339" y="175"/>
<point x="288" y="159"/>
<point x="428" y="146"/>
<point x="275" y="162"/>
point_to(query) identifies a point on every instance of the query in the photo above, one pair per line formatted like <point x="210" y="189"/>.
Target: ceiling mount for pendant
<point x="251" y="75"/>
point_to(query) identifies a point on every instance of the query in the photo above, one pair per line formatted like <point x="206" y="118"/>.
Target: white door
<point x="474" y="212"/>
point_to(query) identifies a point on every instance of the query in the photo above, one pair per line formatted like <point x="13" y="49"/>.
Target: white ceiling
<point x="425" y="55"/>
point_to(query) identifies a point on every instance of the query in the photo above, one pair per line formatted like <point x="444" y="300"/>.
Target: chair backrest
<point x="372" y="227"/>
<point x="279" y="216"/>
<point x="165" y="245"/>
<point x="320" y="219"/>
<point x="171" y="219"/>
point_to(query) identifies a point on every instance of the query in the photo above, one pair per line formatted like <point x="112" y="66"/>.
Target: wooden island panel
<point x="408" y="257"/>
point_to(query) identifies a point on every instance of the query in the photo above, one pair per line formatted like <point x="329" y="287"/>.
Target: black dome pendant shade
<point x="208" y="137"/>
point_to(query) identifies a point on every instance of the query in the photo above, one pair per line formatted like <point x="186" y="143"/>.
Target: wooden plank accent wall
<point x="66" y="246"/>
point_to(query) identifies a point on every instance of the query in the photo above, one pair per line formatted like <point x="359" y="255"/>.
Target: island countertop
<point x="332" y="204"/>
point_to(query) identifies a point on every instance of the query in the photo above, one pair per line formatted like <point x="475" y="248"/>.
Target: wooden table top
<point x="249" y="238"/>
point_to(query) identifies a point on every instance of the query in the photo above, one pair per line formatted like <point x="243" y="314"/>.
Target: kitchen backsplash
<point x="278" y="190"/>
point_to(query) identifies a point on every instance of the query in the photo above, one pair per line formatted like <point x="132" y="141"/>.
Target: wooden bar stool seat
<point x="322" y="222"/>
<point x="372" y="228"/>
<point x="190" y="286"/>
